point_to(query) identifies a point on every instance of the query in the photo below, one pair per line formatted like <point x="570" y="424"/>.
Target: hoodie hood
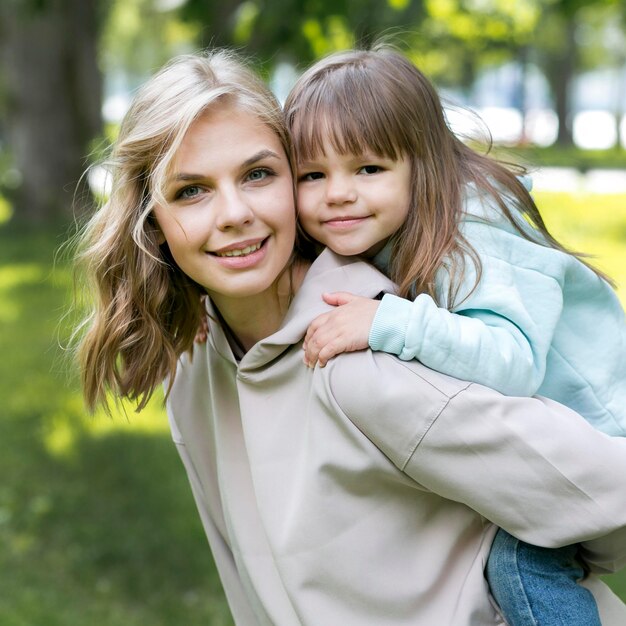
<point x="329" y="272"/>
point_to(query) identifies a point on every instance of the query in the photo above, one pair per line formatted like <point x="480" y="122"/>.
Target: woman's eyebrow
<point x="255" y="158"/>
<point x="259" y="156"/>
<point x="185" y="177"/>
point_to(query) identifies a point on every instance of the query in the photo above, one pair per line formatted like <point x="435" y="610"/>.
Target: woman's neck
<point x="256" y="317"/>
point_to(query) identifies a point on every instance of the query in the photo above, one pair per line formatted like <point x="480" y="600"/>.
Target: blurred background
<point x="97" y="524"/>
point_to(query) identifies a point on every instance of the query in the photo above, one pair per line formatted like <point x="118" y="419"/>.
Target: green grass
<point x="558" y="156"/>
<point x="97" y="523"/>
<point x="592" y="224"/>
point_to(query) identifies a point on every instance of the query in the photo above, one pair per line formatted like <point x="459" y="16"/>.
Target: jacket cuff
<point x="388" y="332"/>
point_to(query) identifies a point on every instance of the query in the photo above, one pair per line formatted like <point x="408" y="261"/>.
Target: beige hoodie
<point x="366" y="492"/>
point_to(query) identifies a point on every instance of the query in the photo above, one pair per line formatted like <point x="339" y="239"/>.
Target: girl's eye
<point x="259" y="174"/>
<point x="311" y="176"/>
<point x="370" y="169"/>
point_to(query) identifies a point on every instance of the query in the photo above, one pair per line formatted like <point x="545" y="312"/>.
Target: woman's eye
<point x="311" y="176"/>
<point x="258" y="175"/>
<point x="187" y="193"/>
<point x="370" y="169"/>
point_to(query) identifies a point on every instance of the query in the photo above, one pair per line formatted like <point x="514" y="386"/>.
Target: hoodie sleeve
<point x="500" y="331"/>
<point x="529" y="465"/>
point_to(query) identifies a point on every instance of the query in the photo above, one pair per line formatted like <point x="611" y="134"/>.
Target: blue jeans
<point x="538" y="586"/>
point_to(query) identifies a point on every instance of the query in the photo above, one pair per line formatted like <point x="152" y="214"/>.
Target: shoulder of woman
<point x="393" y="402"/>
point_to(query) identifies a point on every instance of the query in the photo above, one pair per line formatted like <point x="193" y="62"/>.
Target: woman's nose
<point x="233" y="210"/>
<point x="340" y="190"/>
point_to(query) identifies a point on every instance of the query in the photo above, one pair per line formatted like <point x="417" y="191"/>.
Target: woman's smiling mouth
<point x="243" y="248"/>
<point x="240" y="251"/>
<point x="242" y="255"/>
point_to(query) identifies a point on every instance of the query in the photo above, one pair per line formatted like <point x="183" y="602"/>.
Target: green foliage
<point x="138" y="37"/>
<point x="478" y="23"/>
<point x="296" y="30"/>
<point x="6" y="210"/>
<point x="458" y="37"/>
<point x="601" y="36"/>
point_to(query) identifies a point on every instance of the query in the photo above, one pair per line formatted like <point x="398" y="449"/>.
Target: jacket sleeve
<point x="530" y="465"/>
<point x="500" y="333"/>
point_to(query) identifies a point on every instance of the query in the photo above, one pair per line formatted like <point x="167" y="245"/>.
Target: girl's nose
<point x="340" y="190"/>
<point x="233" y="210"/>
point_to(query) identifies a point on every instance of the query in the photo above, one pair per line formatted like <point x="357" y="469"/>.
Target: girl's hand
<point x="346" y="329"/>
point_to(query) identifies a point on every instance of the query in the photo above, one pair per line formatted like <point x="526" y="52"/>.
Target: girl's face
<point x="353" y="203"/>
<point x="229" y="220"/>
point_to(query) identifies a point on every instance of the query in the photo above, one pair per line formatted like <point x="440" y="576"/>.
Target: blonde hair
<point x="145" y="311"/>
<point x="378" y="101"/>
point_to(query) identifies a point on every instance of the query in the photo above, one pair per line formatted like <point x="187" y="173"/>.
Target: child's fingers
<point x="345" y="328"/>
<point x="323" y="335"/>
<point x="329" y="351"/>
<point x="312" y="350"/>
<point x="313" y="328"/>
<point x="338" y="298"/>
<point x="313" y="331"/>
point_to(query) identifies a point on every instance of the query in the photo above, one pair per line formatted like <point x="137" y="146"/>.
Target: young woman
<point x="362" y="493"/>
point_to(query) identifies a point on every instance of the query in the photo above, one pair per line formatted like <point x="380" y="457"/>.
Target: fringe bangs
<point x="338" y="110"/>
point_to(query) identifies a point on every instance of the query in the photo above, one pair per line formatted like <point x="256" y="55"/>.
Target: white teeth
<point x="241" y="251"/>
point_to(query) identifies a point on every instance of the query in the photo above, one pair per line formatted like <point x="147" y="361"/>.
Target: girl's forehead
<point x="316" y="136"/>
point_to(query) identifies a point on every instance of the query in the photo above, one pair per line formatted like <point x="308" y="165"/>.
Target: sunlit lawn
<point x="97" y="524"/>
<point x="593" y="224"/>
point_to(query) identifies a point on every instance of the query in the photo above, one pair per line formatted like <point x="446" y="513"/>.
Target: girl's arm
<point x="499" y="335"/>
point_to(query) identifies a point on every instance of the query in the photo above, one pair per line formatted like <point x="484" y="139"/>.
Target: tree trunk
<point x="561" y="74"/>
<point x="53" y="91"/>
<point x="618" y="108"/>
<point x="520" y="94"/>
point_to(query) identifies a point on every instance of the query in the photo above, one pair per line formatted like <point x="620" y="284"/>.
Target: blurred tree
<point x="139" y="36"/>
<point x="51" y="98"/>
<point x="602" y="44"/>
<point x="298" y="30"/>
<point x="460" y="36"/>
<point x="560" y="57"/>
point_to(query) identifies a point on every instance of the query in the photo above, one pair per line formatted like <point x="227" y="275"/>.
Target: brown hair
<point x="145" y="311"/>
<point x="378" y="101"/>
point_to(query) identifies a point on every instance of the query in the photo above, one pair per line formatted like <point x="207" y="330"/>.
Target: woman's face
<point x="229" y="220"/>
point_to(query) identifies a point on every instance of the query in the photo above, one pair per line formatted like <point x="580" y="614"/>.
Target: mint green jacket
<point x="539" y="321"/>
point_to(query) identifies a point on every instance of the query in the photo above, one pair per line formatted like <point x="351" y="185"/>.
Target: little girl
<point x="485" y="293"/>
